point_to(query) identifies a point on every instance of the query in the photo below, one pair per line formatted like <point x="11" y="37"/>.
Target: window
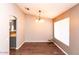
<point x="61" y="30"/>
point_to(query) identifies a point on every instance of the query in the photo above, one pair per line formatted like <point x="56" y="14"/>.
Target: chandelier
<point x="39" y="20"/>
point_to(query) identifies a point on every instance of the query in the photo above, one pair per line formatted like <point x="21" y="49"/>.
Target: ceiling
<point x="48" y="10"/>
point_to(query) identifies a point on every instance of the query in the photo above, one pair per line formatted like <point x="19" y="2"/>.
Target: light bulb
<point x="37" y="21"/>
<point x="41" y="21"/>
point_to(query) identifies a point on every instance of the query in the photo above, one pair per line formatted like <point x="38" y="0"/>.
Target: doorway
<point x="12" y="31"/>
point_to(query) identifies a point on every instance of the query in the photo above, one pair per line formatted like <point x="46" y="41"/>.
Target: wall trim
<point x="36" y="41"/>
<point x="60" y="48"/>
<point x="20" y="45"/>
<point x="4" y="53"/>
<point x="53" y="42"/>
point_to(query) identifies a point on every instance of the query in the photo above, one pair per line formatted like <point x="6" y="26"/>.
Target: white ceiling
<point x="49" y="10"/>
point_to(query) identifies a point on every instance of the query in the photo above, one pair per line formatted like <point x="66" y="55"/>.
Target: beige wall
<point x="37" y="32"/>
<point x="15" y="11"/>
<point x="73" y="47"/>
<point x="7" y="10"/>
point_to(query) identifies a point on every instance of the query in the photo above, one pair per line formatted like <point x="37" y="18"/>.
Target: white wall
<point x="6" y="10"/>
<point x="37" y="32"/>
<point x="4" y="29"/>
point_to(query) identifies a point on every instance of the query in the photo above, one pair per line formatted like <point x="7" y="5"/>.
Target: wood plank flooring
<point x="37" y="48"/>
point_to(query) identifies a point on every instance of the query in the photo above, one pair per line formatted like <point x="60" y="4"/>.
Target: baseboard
<point x="20" y="45"/>
<point x="34" y="41"/>
<point x="4" y="53"/>
<point x="60" y="48"/>
<point x="53" y="42"/>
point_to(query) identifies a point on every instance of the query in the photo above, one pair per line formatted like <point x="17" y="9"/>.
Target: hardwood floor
<point x="39" y="48"/>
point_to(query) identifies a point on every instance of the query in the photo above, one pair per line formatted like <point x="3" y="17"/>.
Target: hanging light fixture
<point x="39" y="20"/>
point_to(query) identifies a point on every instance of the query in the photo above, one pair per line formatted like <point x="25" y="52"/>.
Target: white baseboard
<point x="36" y="41"/>
<point x="60" y="48"/>
<point x="20" y="45"/>
<point x="53" y="42"/>
<point x="4" y="53"/>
